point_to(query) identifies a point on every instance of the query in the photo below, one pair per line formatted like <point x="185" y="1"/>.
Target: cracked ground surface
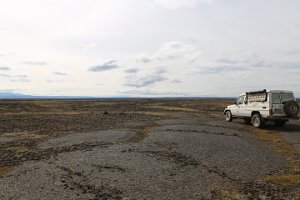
<point x="142" y="149"/>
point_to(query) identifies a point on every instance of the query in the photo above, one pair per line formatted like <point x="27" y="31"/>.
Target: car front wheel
<point x="228" y="116"/>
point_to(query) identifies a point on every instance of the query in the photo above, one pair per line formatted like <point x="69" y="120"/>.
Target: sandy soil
<point x="142" y="149"/>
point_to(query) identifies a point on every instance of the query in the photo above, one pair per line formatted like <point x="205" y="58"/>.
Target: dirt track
<point x="142" y="149"/>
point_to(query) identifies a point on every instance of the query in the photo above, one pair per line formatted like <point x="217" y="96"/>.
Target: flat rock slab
<point x="236" y="124"/>
<point x="6" y="139"/>
<point x="202" y="129"/>
<point x="78" y="138"/>
<point x="237" y="157"/>
<point x="176" y="121"/>
<point x="117" y="171"/>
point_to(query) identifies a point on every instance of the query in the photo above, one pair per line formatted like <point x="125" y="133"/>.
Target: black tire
<point x="280" y="122"/>
<point x="291" y="108"/>
<point x="257" y="121"/>
<point x="247" y="120"/>
<point x="228" y="116"/>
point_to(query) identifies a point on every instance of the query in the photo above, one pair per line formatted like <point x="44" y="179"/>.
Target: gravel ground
<point x="182" y="155"/>
<point x="291" y="133"/>
<point x="78" y="138"/>
<point x="236" y="156"/>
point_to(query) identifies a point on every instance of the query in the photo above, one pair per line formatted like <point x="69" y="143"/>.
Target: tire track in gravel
<point x="78" y="181"/>
<point x="142" y="133"/>
<point x="10" y="158"/>
<point x="181" y="159"/>
<point x="202" y="131"/>
<point x="185" y="161"/>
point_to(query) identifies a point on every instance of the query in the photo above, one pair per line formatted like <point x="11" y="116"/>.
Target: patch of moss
<point x="173" y="108"/>
<point x="20" y="148"/>
<point x="284" y="179"/>
<point x="218" y="193"/>
<point x="288" y="151"/>
<point x="152" y="113"/>
<point x="5" y="170"/>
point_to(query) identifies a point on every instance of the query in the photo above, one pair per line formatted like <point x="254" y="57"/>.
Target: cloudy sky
<point x="149" y="47"/>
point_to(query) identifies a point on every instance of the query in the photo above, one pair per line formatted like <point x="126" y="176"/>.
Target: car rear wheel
<point x="228" y="116"/>
<point x="257" y="121"/>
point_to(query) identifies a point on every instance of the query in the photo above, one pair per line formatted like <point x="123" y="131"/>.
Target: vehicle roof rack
<point x="256" y="91"/>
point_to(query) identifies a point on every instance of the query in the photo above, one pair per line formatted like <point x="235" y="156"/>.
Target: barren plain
<point x="142" y="149"/>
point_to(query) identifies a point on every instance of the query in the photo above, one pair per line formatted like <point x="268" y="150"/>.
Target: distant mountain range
<point x="13" y="95"/>
<point x="18" y="96"/>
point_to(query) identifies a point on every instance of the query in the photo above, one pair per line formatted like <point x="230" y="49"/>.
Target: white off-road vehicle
<point x="257" y="107"/>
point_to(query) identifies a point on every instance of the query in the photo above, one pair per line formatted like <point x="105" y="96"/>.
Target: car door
<point x="236" y="108"/>
<point x="277" y="106"/>
<point x="242" y="107"/>
<point x="244" y="110"/>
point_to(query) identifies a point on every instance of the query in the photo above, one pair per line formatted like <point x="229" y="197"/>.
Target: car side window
<point x="241" y="99"/>
<point x="286" y="97"/>
<point x="276" y="98"/>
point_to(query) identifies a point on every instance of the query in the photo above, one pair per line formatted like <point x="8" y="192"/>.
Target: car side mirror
<point x="234" y="103"/>
<point x="246" y="102"/>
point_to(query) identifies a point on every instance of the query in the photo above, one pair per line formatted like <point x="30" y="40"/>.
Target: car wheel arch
<point x="226" y="111"/>
<point x="254" y="112"/>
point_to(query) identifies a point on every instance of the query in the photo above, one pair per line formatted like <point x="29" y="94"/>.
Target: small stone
<point x="105" y="112"/>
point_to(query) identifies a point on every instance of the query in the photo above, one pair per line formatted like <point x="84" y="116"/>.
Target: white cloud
<point x="60" y="73"/>
<point x="21" y="79"/>
<point x="176" y="4"/>
<point x="109" y="65"/>
<point x="148" y="80"/>
<point x="172" y="51"/>
<point x="34" y="63"/>
<point x="87" y="46"/>
<point x="4" y="68"/>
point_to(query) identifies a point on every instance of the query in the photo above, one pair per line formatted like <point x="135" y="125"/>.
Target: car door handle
<point x="264" y="107"/>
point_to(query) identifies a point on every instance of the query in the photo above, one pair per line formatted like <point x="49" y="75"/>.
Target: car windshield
<point x="286" y="97"/>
